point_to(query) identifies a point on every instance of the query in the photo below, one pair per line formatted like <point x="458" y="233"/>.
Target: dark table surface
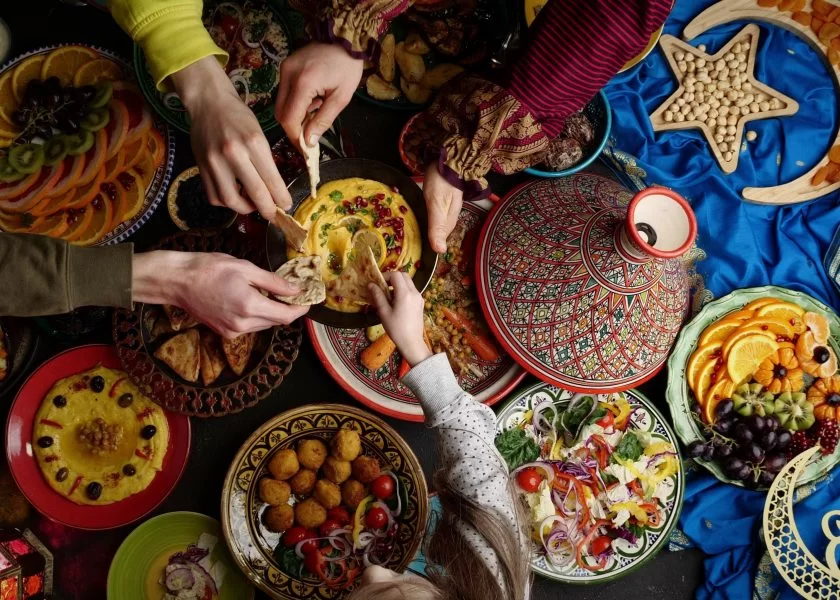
<point x="82" y="558"/>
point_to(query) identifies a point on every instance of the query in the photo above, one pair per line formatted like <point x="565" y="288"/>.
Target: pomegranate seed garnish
<point x="339" y="299"/>
<point x="403" y="209"/>
<point x="418" y="264"/>
<point x="380" y="196"/>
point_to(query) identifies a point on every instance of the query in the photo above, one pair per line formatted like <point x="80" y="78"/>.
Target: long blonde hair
<point x="456" y="571"/>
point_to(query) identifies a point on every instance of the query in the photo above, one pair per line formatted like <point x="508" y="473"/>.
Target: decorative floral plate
<point x="628" y="557"/>
<point x="157" y="187"/>
<point x="679" y="397"/>
<point x="28" y="475"/>
<point x="252" y="545"/>
<point x="141" y="551"/>
<point x="382" y="391"/>
<point x="169" y="106"/>
<point x="271" y="360"/>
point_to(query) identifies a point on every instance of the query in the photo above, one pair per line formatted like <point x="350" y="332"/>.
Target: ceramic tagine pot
<point x="582" y="281"/>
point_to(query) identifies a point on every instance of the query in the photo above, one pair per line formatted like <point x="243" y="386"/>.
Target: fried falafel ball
<point x="274" y="492"/>
<point x="337" y="471"/>
<point x="327" y="493"/>
<point x="303" y="482"/>
<point x="279" y="518"/>
<point x="283" y="464"/>
<point x="310" y="514"/>
<point x="311" y="453"/>
<point x="346" y="444"/>
<point x="365" y="469"/>
<point x="352" y="493"/>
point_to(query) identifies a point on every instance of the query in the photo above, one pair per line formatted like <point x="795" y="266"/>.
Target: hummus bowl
<point x="349" y="195"/>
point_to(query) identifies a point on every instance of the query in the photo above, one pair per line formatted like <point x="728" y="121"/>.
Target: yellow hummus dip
<point x="97" y="439"/>
<point x="348" y="212"/>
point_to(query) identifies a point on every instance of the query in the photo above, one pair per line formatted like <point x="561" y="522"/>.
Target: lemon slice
<point x="747" y="354"/>
<point x="371" y="238"/>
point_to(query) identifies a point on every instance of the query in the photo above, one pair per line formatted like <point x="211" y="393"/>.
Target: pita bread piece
<point x="179" y="318"/>
<point x="238" y="351"/>
<point x="312" y="154"/>
<point x="361" y="270"/>
<point x="293" y="231"/>
<point x="181" y="354"/>
<point x="212" y="359"/>
<point x="304" y="272"/>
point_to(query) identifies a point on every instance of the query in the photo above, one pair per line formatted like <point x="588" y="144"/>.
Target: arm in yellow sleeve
<point x="169" y="31"/>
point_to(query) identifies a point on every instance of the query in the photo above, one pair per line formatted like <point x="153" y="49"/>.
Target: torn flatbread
<point x="212" y="359"/>
<point x="181" y="354"/>
<point x="312" y="154"/>
<point x="293" y="231"/>
<point x="361" y="270"/>
<point x="305" y="273"/>
<point x="179" y="318"/>
<point x="238" y="351"/>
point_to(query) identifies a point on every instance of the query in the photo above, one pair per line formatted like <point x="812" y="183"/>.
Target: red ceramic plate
<point x="382" y="391"/>
<point x="28" y="476"/>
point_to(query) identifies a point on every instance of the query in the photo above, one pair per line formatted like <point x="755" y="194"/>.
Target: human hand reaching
<point x="318" y="76"/>
<point x="219" y="290"/>
<point x="402" y="317"/>
<point x="443" y="203"/>
<point x="228" y="143"/>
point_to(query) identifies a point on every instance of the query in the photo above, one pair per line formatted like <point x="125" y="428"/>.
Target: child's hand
<point x="403" y="317"/>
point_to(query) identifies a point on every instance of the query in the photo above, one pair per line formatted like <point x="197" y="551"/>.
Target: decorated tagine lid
<point x="581" y="281"/>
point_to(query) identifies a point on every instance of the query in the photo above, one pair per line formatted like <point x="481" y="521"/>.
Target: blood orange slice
<point x="134" y="151"/>
<point x="95" y="157"/>
<point x="114" y="166"/>
<point x="156" y="146"/>
<point x="134" y="192"/>
<point x="77" y="220"/>
<point x="139" y="116"/>
<point x="13" y="189"/>
<point x="83" y="194"/>
<point x="73" y="168"/>
<point x="146" y="170"/>
<point x="47" y="178"/>
<point x="117" y="128"/>
<point x="103" y="213"/>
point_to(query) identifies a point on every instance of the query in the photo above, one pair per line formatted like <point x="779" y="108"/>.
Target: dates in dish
<point x="195" y="210"/>
<point x="572" y="145"/>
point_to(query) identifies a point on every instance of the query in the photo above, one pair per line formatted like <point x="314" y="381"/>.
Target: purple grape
<point x="732" y="465"/>
<point x="765" y="478"/>
<point x="756" y="423"/>
<point x="743" y="474"/>
<point x="723" y="451"/>
<point x="695" y="408"/>
<point x="768" y="440"/>
<point x="742" y="433"/>
<point x="696" y="449"/>
<point x="708" y="452"/>
<point x="772" y="423"/>
<point x="774" y="462"/>
<point x="724" y="408"/>
<point x="783" y="438"/>
<point x="724" y="425"/>
<point x="752" y="452"/>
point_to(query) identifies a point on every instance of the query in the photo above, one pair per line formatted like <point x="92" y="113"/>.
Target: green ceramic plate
<point x="628" y="557"/>
<point x="678" y="395"/>
<point x="163" y="535"/>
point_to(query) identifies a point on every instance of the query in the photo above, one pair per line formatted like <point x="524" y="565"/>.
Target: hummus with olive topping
<point x="356" y="212"/>
<point x="98" y="439"/>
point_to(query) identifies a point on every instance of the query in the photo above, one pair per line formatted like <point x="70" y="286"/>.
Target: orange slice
<point x="13" y="189"/>
<point x="156" y="146"/>
<point x="8" y="105"/>
<point x="134" y="152"/>
<point x="117" y="128"/>
<point x="114" y="166"/>
<point x="16" y="222"/>
<point x="784" y="311"/>
<point x="698" y="360"/>
<point x="817" y="324"/>
<point x="95" y="157"/>
<point x="83" y="194"/>
<point x="718" y="332"/>
<point x="759" y="302"/>
<point x="772" y="325"/>
<point x="97" y="71"/>
<point x="719" y="391"/>
<point x="740" y="315"/>
<point x="146" y="170"/>
<point x="139" y="116"/>
<point x="27" y="70"/>
<point x="65" y="61"/>
<point x="707" y="377"/>
<point x="78" y="220"/>
<point x="743" y="332"/>
<point x="746" y="355"/>
<point x="73" y="168"/>
<point x="103" y="214"/>
<point x="47" y="178"/>
<point x="135" y="194"/>
<point x="52" y="225"/>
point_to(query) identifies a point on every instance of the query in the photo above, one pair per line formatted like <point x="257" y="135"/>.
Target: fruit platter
<point x="81" y="156"/>
<point x="599" y="475"/>
<point x="754" y="381"/>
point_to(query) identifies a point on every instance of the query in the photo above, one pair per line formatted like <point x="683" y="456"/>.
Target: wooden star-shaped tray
<point x="758" y="100"/>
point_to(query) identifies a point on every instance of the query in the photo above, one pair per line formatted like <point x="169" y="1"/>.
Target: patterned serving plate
<point x="628" y="557"/>
<point x="157" y="188"/>
<point x="252" y="545"/>
<point x="169" y="107"/>
<point x="274" y="352"/>
<point x="382" y="391"/>
<point x="679" y="397"/>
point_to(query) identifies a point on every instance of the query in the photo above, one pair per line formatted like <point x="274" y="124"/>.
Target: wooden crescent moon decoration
<point x="809" y="577"/>
<point x="800" y="189"/>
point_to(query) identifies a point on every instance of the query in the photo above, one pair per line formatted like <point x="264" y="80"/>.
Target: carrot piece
<point x="377" y="354"/>
<point x="768" y="3"/>
<point x="797" y="5"/>
<point x="802" y="17"/>
<point x="481" y="345"/>
<point x="835" y="44"/>
<point x="834" y="14"/>
<point x="404" y="368"/>
<point x="816" y="24"/>
<point x="834" y="154"/>
<point x="822" y="7"/>
<point x="828" y="32"/>
<point x="820" y="176"/>
<point x="834" y="176"/>
<point x="834" y="56"/>
<point x="787" y="5"/>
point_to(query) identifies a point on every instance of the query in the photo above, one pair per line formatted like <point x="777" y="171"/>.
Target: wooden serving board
<point x="726" y="11"/>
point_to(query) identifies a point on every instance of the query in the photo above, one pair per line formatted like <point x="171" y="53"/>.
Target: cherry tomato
<point x="529" y="479"/>
<point x="229" y="26"/>
<point x="376" y="518"/>
<point x="340" y="514"/>
<point x="293" y="536"/>
<point x="328" y="527"/>
<point x="311" y="544"/>
<point x="600" y="545"/>
<point x="607" y="421"/>
<point x="382" y="487"/>
<point x="314" y="562"/>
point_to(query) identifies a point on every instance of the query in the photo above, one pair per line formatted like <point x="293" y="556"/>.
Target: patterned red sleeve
<point x="573" y="49"/>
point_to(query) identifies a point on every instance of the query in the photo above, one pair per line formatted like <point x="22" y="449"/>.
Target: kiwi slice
<point x="102" y="96"/>
<point x="55" y="150"/>
<point x="95" y="119"/>
<point x="26" y="158"/>
<point x="79" y="143"/>
<point x="7" y="172"/>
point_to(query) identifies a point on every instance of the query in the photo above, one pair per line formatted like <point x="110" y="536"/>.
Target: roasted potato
<point x="438" y="76"/>
<point x="311" y="453"/>
<point x="365" y="469"/>
<point x="346" y="445"/>
<point x="416" y="93"/>
<point x="284" y="464"/>
<point x="415" y="44"/>
<point x="352" y="493"/>
<point x="386" y="58"/>
<point x="303" y="482"/>
<point x="380" y="89"/>
<point x="411" y="65"/>
<point x="327" y="493"/>
<point x="337" y="471"/>
<point x="274" y="492"/>
<point x="310" y="514"/>
<point x="279" y="518"/>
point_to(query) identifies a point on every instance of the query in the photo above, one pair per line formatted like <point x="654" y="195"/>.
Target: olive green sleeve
<point x="43" y="276"/>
